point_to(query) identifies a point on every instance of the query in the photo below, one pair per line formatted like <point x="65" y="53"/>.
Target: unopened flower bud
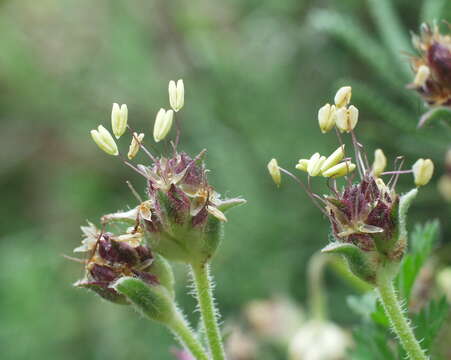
<point x="422" y="171"/>
<point x="314" y="164"/>
<point x="380" y="162"/>
<point x="326" y="118"/>
<point x="343" y="96"/>
<point x="176" y="94"/>
<point x="334" y="158"/>
<point x="274" y="171"/>
<point x="119" y="119"/>
<point x="346" y="119"/>
<point x="339" y="170"/>
<point x="104" y="140"/>
<point x="421" y="76"/>
<point x="163" y="123"/>
<point x="302" y="165"/>
<point x="135" y="144"/>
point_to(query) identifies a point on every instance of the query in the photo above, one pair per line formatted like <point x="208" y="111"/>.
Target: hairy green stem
<point x="202" y="281"/>
<point x="398" y="321"/>
<point x="185" y="335"/>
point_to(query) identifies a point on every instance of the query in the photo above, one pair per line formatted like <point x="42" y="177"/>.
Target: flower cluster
<point x="180" y="218"/>
<point x="112" y="257"/>
<point x="432" y="66"/>
<point x="366" y="216"/>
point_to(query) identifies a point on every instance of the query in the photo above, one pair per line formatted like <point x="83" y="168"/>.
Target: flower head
<point x="432" y="66"/>
<point x="180" y="219"/>
<point x="366" y="215"/>
<point x="113" y="256"/>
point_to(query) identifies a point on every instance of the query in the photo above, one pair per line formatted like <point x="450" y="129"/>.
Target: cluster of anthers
<point x="432" y="65"/>
<point x="179" y="219"/>
<point x="363" y="213"/>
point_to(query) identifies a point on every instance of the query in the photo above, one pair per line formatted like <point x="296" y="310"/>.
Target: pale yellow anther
<point x="302" y="164"/>
<point x="343" y="96"/>
<point x="176" y="94"/>
<point x="119" y="117"/>
<point x="421" y="76"/>
<point x="274" y="171"/>
<point x="314" y="164"/>
<point x="334" y="158"/>
<point x="163" y="123"/>
<point x="326" y="118"/>
<point x="380" y="162"/>
<point x="347" y="118"/>
<point x="339" y="170"/>
<point x="218" y="214"/>
<point x="104" y="140"/>
<point x="422" y="171"/>
<point x="135" y="145"/>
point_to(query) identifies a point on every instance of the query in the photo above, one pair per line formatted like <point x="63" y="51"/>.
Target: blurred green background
<point x="255" y="74"/>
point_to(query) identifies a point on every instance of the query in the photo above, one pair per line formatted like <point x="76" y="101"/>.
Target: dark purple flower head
<point x="432" y="66"/>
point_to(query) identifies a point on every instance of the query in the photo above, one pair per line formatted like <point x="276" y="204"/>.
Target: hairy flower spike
<point x="163" y="124"/>
<point x="119" y="117"/>
<point x="176" y="94"/>
<point x="104" y="140"/>
<point x="343" y="96"/>
<point x="274" y="171"/>
<point x="135" y="145"/>
<point x="380" y="162"/>
<point x="326" y="118"/>
<point x="422" y="171"/>
<point x="347" y="119"/>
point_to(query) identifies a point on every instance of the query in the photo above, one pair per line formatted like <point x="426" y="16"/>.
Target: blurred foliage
<point x="255" y="72"/>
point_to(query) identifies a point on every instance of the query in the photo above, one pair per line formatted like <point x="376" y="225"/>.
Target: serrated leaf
<point x="422" y="242"/>
<point x="372" y="343"/>
<point x="429" y="321"/>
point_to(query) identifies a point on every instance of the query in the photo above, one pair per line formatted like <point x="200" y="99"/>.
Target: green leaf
<point x="372" y="343"/>
<point x="359" y="262"/>
<point x="422" y="242"/>
<point x="432" y="10"/>
<point x="152" y="301"/>
<point x="429" y="321"/>
<point x="345" y="29"/>
<point x="392" y="32"/>
<point x="441" y="113"/>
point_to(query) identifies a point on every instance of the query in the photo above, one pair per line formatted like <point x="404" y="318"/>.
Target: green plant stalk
<point x="398" y="321"/>
<point x="317" y="299"/>
<point x="202" y="282"/>
<point x="185" y="335"/>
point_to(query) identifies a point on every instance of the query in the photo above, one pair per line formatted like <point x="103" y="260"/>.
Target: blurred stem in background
<point x="317" y="265"/>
